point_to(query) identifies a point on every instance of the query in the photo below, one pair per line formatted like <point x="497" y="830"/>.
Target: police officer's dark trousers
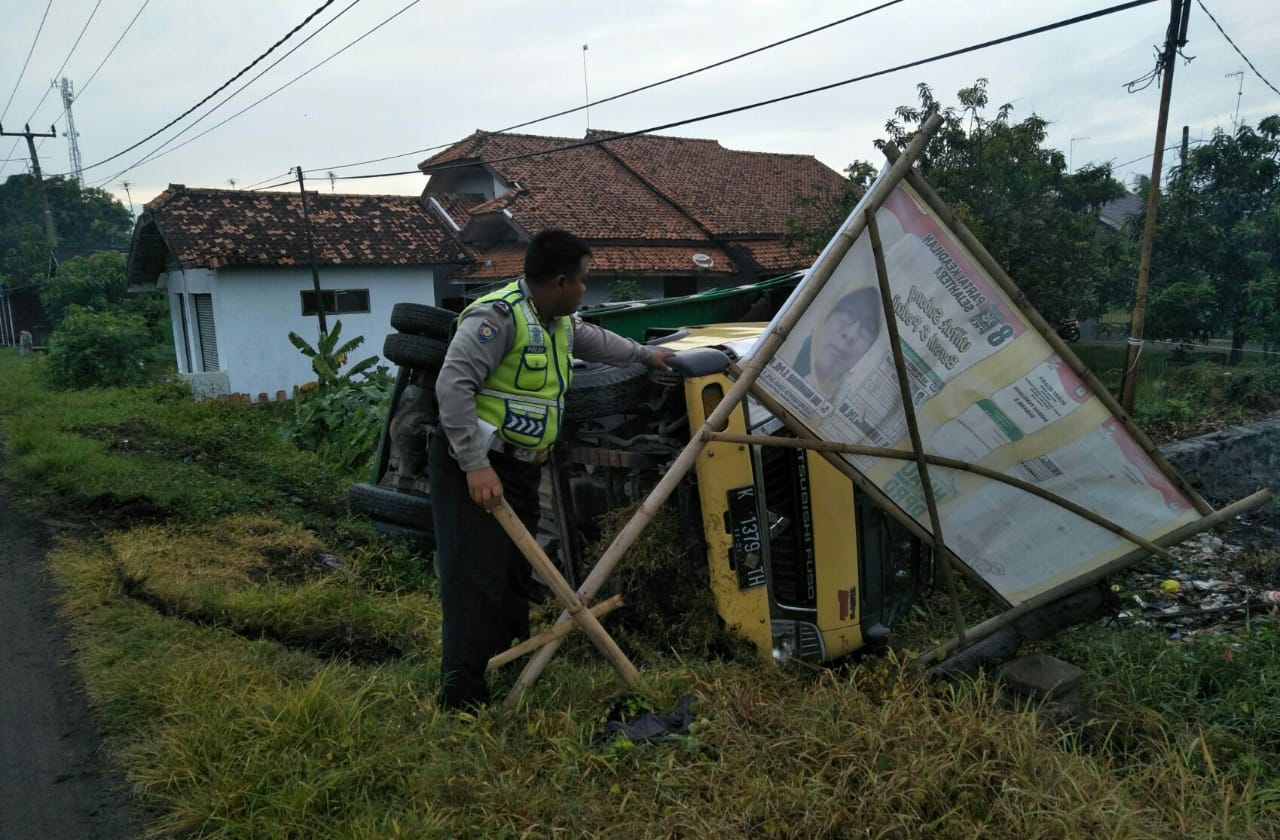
<point x="484" y="579"/>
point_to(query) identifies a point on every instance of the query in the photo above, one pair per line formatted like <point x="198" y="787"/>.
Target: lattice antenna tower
<point x="68" y="96"/>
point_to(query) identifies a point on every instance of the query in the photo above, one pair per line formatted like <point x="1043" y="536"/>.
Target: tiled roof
<point x="773" y="255"/>
<point x="728" y="192"/>
<point x="645" y="204"/>
<point x="457" y="207"/>
<point x="217" y="228"/>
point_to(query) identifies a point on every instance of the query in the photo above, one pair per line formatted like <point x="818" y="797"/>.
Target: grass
<point x="264" y="666"/>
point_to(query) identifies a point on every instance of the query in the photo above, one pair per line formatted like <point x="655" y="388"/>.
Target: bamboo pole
<point x="818" y="276"/>
<point x="913" y="427"/>
<point x="988" y="262"/>
<point x="573" y="604"/>
<point x="557" y="631"/>
<point x="992" y="625"/>
<point x="951" y="464"/>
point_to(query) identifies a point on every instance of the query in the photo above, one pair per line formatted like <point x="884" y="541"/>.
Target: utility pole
<point x="35" y="170"/>
<point x="1175" y="39"/>
<point x="311" y="250"/>
<point x="129" y="195"/>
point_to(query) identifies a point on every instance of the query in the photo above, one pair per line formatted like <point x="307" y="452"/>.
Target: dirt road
<point x="53" y="782"/>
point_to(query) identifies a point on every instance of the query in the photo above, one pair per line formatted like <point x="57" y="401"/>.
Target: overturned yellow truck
<point x="798" y="563"/>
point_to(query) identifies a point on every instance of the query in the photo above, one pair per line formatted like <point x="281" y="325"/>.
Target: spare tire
<point x="600" y="390"/>
<point x="420" y="319"/>
<point x="415" y="351"/>
<point x="387" y="505"/>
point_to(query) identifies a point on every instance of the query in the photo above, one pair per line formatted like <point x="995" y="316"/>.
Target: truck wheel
<point x="601" y="390"/>
<point x="420" y="319"/>
<point x="415" y="351"/>
<point x="386" y="505"/>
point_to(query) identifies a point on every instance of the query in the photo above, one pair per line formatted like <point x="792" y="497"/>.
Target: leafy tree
<point x="86" y="221"/>
<point x="99" y="349"/>
<point x="1037" y="220"/>
<point x="1215" y="266"/>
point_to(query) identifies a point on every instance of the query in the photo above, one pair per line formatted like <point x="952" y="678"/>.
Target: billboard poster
<point x="987" y="389"/>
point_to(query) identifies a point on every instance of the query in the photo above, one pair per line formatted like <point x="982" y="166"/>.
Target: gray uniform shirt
<point x="485" y="335"/>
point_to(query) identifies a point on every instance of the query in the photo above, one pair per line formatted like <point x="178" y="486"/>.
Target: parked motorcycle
<point x="1069" y="331"/>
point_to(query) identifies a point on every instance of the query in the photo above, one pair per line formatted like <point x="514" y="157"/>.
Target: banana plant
<point x="328" y="357"/>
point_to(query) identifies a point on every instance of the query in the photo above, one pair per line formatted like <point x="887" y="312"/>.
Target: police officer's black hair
<point x="553" y="252"/>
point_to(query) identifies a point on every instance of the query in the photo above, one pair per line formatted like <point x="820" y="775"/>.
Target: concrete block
<point x="1041" y="677"/>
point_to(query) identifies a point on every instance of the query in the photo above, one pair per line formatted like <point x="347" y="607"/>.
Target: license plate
<point x="747" y="558"/>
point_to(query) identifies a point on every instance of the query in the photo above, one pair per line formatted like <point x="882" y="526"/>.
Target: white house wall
<point x="255" y="309"/>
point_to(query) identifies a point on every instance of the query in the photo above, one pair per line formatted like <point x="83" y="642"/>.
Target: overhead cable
<point x="253" y="104"/>
<point x="1237" y="49"/>
<point x="640" y="89"/>
<point x="1027" y="33"/>
<point x="219" y="89"/>
<point x="23" y="71"/>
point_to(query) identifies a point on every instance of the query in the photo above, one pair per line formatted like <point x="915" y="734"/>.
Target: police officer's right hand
<point x="485" y="487"/>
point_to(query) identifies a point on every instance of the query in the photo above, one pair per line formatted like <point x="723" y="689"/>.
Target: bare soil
<point x="54" y="780"/>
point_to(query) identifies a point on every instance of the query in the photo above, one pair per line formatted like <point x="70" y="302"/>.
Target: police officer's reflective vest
<point x="524" y="396"/>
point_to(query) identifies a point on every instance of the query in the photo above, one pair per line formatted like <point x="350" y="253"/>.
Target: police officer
<point x="501" y="393"/>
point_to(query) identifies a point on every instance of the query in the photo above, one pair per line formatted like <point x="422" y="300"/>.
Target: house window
<point x="205" y="333"/>
<point x="337" y="301"/>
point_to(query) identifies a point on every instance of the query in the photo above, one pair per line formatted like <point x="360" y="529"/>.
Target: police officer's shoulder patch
<point x="487" y="330"/>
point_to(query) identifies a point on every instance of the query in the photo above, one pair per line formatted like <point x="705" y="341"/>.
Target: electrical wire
<point x="154" y="153"/>
<point x="70" y="52"/>
<point x="1234" y="47"/>
<point x="219" y="89"/>
<point x="23" y="71"/>
<point x="1039" y="30"/>
<point x="257" y="102"/>
<point x="617" y="96"/>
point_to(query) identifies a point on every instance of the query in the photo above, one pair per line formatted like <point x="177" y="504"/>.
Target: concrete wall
<point x="1228" y="465"/>
<point x="255" y="309"/>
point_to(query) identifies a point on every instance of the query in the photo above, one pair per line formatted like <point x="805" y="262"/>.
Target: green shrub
<point x="102" y="349"/>
<point x="341" y="422"/>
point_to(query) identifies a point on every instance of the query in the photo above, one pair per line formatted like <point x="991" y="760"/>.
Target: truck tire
<point x="415" y="351"/>
<point x="420" y="319"/>
<point x="601" y="390"/>
<point x="385" y="505"/>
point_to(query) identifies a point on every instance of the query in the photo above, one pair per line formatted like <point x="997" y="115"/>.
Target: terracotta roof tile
<point x="218" y="228"/>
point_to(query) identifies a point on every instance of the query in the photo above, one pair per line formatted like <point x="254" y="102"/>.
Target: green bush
<point x="102" y="349"/>
<point x="341" y="422"/>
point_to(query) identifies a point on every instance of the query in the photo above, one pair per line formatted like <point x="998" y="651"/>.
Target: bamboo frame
<point x="913" y="426"/>
<point x="551" y="576"/>
<point x="557" y="631"/>
<point x="1048" y="333"/>
<point x="999" y="622"/>
<point x="819" y="274"/>
<point x="952" y="464"/>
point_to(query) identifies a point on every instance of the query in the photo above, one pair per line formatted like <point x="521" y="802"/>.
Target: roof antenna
<point x="585" y="93"/>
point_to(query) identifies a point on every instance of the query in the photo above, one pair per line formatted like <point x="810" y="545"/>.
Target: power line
<point x="1237" y="49"/>
<point x="220" y="88"/>
<point x="23" y="71"/>
<point x="70" y="52"/>
<point x="1039" y="30"/>
<point x="640" y="89"/>
<point x="155" y="153"/>
<point x="111" y="51"/>
<point x="159" y="154"/>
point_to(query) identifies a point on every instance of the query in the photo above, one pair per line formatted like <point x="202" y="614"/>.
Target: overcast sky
<point x="439" y="71"/>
